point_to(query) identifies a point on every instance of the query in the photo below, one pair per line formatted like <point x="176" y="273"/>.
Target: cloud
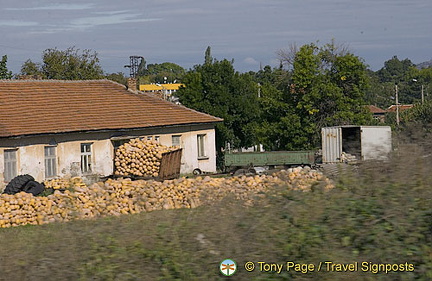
<point x="114" y="18"/>
<point x="183" y="12"/>
<point x="99" y="19"/>
<point x="112" y="12"/>
<point x="56" y="7"/>
<point x="18" y="23"/>
<point x="250" y="61"/>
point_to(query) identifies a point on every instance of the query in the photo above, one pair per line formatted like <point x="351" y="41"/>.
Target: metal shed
<point x="362" y="142"/>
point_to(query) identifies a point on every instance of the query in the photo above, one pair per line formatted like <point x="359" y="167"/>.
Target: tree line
<point x="282" y="108"/>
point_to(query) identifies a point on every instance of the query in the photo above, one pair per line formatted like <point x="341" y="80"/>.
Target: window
<point x="201" y="146"/>
<point x="176" y="140"/>
<point x="157" y="139"/>
<point x="86" y="157"/>
<point x="50" y="162"/>
<point x="10" y="164"/>
<point x="149" y="138"/>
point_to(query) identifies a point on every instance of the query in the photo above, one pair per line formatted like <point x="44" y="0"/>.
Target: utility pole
<point x="397" y="104"/>
<point x="422" y="93"/>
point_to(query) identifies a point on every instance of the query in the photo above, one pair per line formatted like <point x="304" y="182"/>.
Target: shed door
<point x="331" y="144"/>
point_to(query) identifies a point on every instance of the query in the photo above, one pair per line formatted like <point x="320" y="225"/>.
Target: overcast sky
<point x="248" y="31"/>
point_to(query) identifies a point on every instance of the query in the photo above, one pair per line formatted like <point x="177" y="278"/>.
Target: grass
<point x="380" y="213"/>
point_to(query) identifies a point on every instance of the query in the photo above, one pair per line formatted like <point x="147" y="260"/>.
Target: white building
<point x="53" y="128"/>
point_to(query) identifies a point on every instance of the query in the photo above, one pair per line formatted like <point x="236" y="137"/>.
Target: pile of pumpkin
<point x="125" y="196"/>
<point x="139" y="158"/>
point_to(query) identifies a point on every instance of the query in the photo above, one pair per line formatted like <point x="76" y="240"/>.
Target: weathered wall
<point x="31" y="159"/>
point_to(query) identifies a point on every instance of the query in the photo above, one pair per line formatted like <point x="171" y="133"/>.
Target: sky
<point x="250" y="32"/>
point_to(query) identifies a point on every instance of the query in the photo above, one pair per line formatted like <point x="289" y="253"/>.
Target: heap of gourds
<point x="125" y="196"/>
<point x="139" y="158"/>
<point x="64" y="183"/>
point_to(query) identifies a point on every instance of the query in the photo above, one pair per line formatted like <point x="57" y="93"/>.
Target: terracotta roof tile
<point x="402" y="107"/>
<point x="375" y="109"/>
<point x="57" y="106"/>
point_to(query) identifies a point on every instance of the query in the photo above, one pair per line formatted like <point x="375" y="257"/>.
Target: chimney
<point x="132" y="84"/>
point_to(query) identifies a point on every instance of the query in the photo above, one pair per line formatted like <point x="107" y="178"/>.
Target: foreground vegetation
<point x="380" y="213"/>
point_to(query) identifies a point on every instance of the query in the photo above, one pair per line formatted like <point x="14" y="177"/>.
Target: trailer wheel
<point x="197" y="172"/>
<point x="251" y="171"/>
<point x="240" y="172"/>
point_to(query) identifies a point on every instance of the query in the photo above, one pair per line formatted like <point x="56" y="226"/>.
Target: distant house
<point x="402" y="107"/>
<point x="164" y="91"/>
<point x="51" y="128"/>
<point x="377" y="113"/>
<point x="169" y="88"/>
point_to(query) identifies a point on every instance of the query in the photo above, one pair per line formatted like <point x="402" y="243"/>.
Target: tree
<point x="394" y="70"/>
<point x="118" y="77"/>
<point x="217" y="89"/>
<point x="30" y="68"/>
<point x="398" y="72"/>
<point x="156" y="73"/>
<point x="327" y="87"/>
<point x="69" y="64"/>
<point x="208" y="59"/>
<point x="379" y="93"/>
<point x="4" y="72"/>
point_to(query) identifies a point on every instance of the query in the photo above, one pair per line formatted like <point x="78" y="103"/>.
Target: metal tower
<point x="135" y="61"/>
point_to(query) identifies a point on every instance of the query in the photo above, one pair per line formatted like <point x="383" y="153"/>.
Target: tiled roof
<point x="402" y="107"/>
<point x="55" y="106"/>
<point x="375" y="109"/>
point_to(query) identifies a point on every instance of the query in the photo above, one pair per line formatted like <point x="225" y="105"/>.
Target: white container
<point x="363" y="142"/>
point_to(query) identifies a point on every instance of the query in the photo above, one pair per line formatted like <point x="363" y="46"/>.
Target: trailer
<point x="358" y="143"/>
<point x="339" y="144"/>
<point x="250" y="160"/>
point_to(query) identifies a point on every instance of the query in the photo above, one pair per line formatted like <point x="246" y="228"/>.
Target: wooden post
<point x="397" y="105"/>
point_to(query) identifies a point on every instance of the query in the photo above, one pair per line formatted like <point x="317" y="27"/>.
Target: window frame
<point x="86" y="158"/>
<point x="10" y="163"/>
<point x="201" y="146"/>
<point x="178" y="140"/>
<point x="50" y="160"/>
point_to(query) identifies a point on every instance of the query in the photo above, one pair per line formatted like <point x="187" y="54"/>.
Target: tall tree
<point x="327" y="87"/>
<point x="118" y="77"/>
<point x="394" y="70"/>
<point x="217" y="89"/>
<point x="4" y="72"/>
<point x="30" y="68"/>
<point x="397" y="72"/>
<point x="69" y="64"/>
<point x="208" y="59"/>
<point x="166" y="72"/>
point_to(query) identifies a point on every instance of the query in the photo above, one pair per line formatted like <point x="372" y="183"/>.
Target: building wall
<point x="31" y="157"/>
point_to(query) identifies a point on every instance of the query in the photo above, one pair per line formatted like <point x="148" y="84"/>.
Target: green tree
<point x="208" y="59"/>
<point x="398" y="72"/>
<point x="118" y="77"/>
<point x="217" y="89"/>
<point x="30" y="68"/>
<point x="394" y="70"/>
<point x="166" y="72"/>
<point x="327" y="88"/>
<point x="379" y="93"/>
<point x="4" y="72"/>
<point x="69" y="64"/>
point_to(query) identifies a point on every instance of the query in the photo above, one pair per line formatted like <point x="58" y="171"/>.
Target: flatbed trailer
<point x="248" y="160"/>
